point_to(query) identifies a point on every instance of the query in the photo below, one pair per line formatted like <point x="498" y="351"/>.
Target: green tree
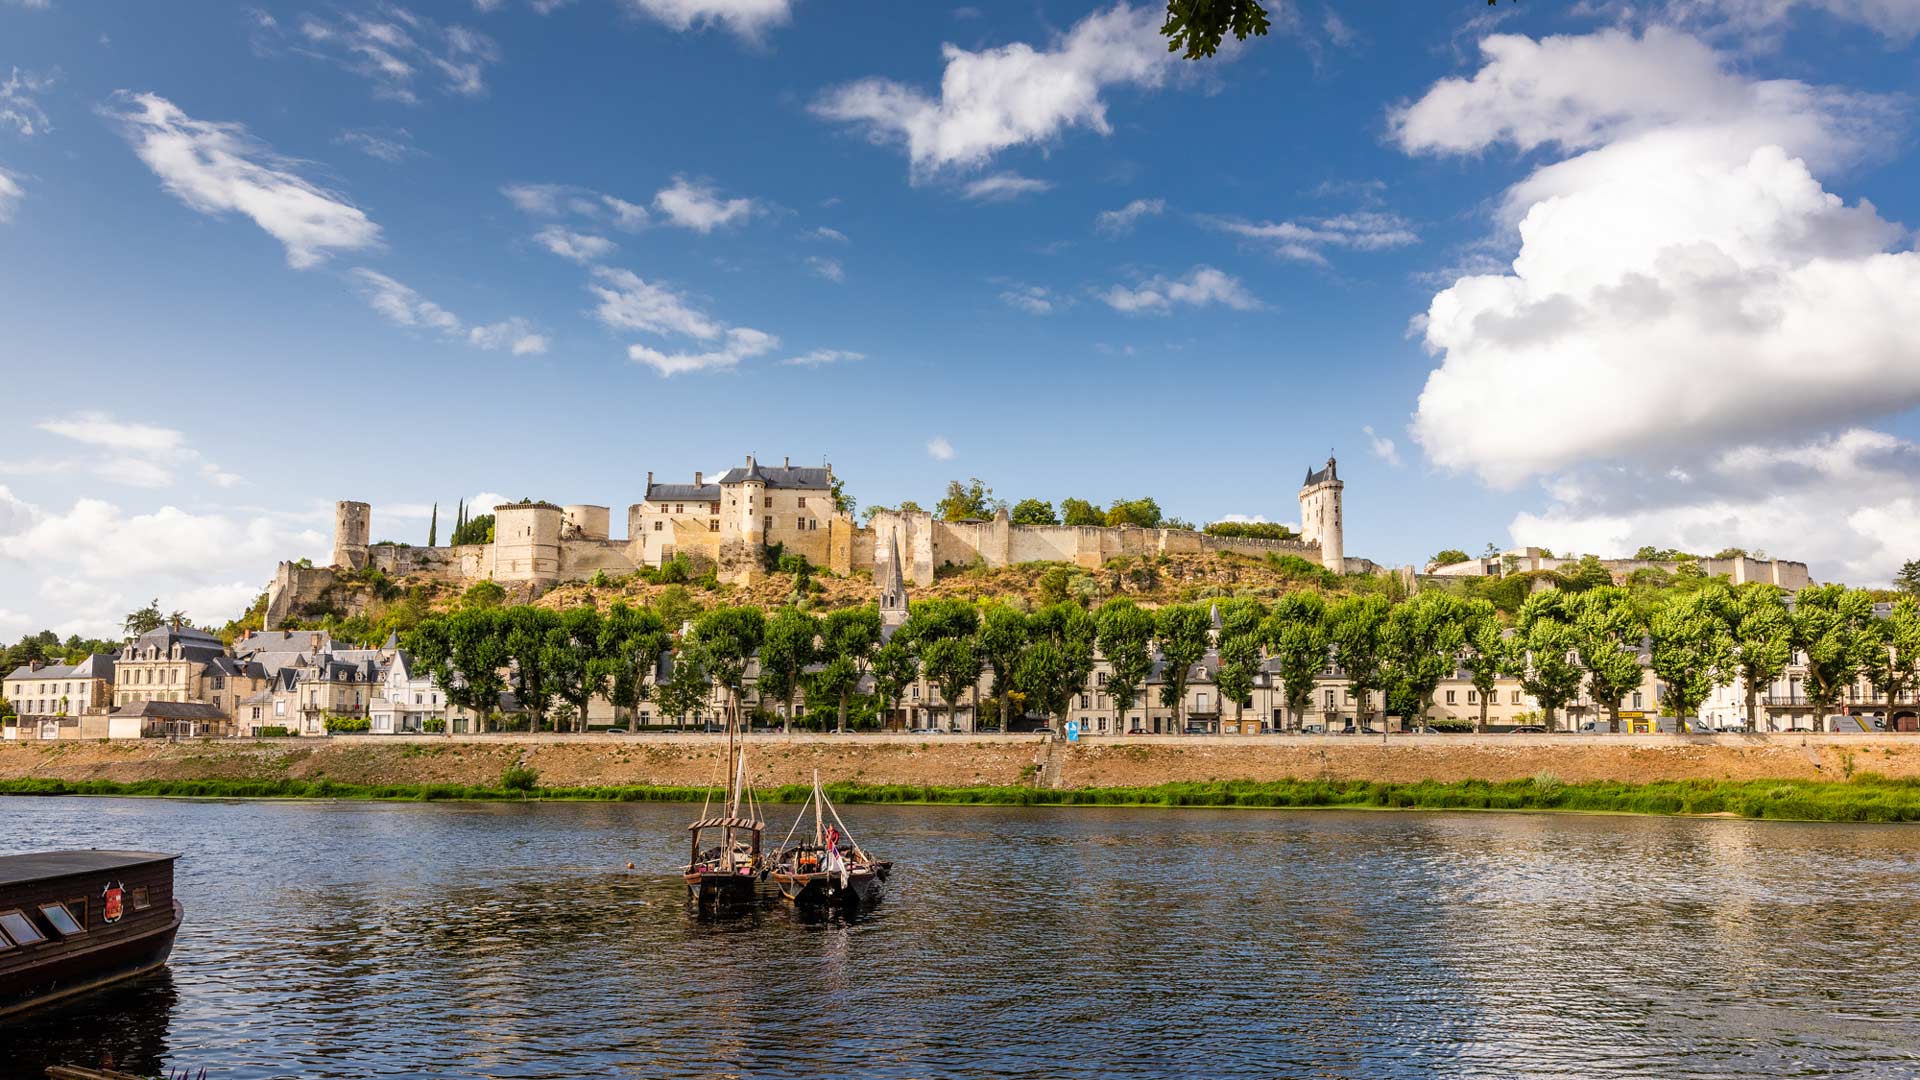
<point x="465" y="653"/>
<point x="843" y="503"/>
<point x="1544" y="652"/>
<point x="526" y="642"/>
<point x="1144" y="513"/>
<point x="1296" y="636"/>
<point x="932" y="620"/>
<point x="689" y="688"/>
<point x="1607" y="633"/>
<point x="1251" y="530"/>
<point x="1588" y="573"/>
<point x="1692" y="649"/>
<point x="1124" y="631"/>
<point x="1002" y="638"/>
<point x="1450" y="556"/>
<point x="1908" y="579"/>
<point x="1182" y="630"/>
<point x="1832" y="628"/>
<point x="1421" y="645"/>
<point x="571" y="660"/>
<point x="1194" y="28"/>
<point x="966" y="501"/>
<point x="894" y="669"/>
<point x="1058" y="659"/>
<point x="954" y="666"/>
<point x="725" y="641"/>
<point x="634" y="639"/>
<point x="1034" y="512"/>
<point x="848" y="638"/>
<point x="145" y="620"/>
<point x="1761" y="640"/>
<point x="1081" y="512"/>
<point x="1356" y="626"/>
<point x="1485" y="654"/>
<point x="433" y="527"/>
<point x="483" y="594"/>
<point x="1891" y="659"/>
<point x="677" y="606"/>
<point x="784" y="656"/>
<point x="477" y="530"/>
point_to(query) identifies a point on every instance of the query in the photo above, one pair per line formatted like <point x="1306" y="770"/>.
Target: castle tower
<point x="892" y="583"/>
<point x="753" y="492"/>
<point x="1320" y="518"/>
<point x="352" y="523"/>
<point x="526" y="542"/>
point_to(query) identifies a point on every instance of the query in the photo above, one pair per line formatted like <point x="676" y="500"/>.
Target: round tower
<point x="753" y="509"/>
<point x="1320" y="515"/>
<point x="589" y="522"/>
<point x="352" y="522"/>
<point x="526" y="542"/>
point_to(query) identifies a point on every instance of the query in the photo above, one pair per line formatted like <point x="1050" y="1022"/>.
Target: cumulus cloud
<point x="1383" y="447"/>
<point x="628" y="302"/>
<point x="1683" y="279"/>
<point x="1848" y="504"/>
<point x="939" y="449"/>
<point x="823" y="357"/>
<point x="1003" y="187"/>
<point x="749" y="19"/>
<point x="1011" y="95"/>
<point x="825" y="233"/>
<point x="127" y="452"/>
<point x="1897" y="20"/>
<point x="389" y="46"/>
<point x="739" y="343"/>
<point x="827" y="268"/>
<point x="697" y="206"/>
<point x="401" y="305"/>
<point x="580" y="247"/>
<point x="1307" y="239"/>
<point x="1120" y="222"/>
<point x="1203" y="286"/>
<point x="1032" y="299"/>
<point x="19" y="107"/>
<point x="218" y="168"/>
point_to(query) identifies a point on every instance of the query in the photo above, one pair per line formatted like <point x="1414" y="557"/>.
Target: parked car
<point x="1528" y="729"/>
<point x="1313" y="729"/>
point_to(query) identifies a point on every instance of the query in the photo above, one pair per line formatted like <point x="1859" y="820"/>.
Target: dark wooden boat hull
<point x="724" y="890"/>
<point x="861" y="889"/>
<point x="84" y="970"/>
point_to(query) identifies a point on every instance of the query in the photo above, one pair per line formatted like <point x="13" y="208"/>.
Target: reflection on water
<point x="506" y="941"/>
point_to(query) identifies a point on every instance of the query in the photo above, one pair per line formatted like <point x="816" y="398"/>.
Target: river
<point x="508" y="940"/>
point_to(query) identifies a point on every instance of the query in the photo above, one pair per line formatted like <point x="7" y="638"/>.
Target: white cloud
<point x="626" y="216"/>
<point x="747" y="18"/>
<point x="580" y="247"/>
<point x="1032" y="299"/>
<point x="939" y="449"/>
<point x="218" y="168"/>
<point x="1011" y="95"/>
<point x="10" y="195"/>
<point x="1305" y="240"/>
<point x="696" y="206"/>
<point x="390" y="47"/>
<point x="392" y="145"/>
<point x="835" y="235"/>
<point x="1003" y="187"/>
<point x="1383" y="447"/>
<point x="535" y="198"/>
<point x="16" y="514"/>
<point x="1681" y="285"/>
<point x="1202" y="286"/>
<point x="131" y="453"/>
<point x="827" y="268"/>
<point x="823" y="357"/>
<point x="18" y="108"/>
<point x="1848" y="504"/>
<point x="629" y="303"/>
<point x="740" y="344"/>
<point x="401" y="305"/>
<point x="1897" y="20"/>
<point x="1120" y="222"/>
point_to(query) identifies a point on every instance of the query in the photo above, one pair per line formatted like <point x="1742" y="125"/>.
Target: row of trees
<point x="974" y="500"/>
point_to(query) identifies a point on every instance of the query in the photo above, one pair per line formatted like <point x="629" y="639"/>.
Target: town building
<point x="1737" y="569"/>
<point x="61" y="701"/>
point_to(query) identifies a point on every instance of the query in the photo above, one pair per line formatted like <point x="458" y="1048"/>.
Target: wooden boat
<point x="74" y="921"/>
<point x="726" y="866"/>
<point x="831" y="869"/>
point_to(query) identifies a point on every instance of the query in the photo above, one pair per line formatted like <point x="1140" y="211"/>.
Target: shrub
<point x="519" y="778"/>
<point x="276" y="731"/>
<point x="434" y="727"/>
<point x="348" y="725"/>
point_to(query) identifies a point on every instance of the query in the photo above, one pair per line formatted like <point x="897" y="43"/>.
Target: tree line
<point x="974" y="501"/>
<point x="1390" y="655"/>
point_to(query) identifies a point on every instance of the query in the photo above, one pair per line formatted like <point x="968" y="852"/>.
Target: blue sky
<point x="1584" y="280"/>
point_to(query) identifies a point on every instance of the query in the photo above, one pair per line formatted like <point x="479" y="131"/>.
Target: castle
<point x="731" y="521"/>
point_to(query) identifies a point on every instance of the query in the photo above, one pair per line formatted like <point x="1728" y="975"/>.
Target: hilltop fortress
<point x="732" y="521"/>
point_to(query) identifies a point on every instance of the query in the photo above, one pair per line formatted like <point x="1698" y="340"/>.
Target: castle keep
<point x="729" y="522"/>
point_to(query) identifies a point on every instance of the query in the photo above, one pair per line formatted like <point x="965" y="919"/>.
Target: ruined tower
<point x="352" y="522"/>
<point x="1320" y="515"/>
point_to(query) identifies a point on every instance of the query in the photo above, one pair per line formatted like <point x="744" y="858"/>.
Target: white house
<point x="405" y="698"/>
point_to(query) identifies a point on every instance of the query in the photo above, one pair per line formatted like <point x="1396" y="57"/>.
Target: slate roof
<point x="50" y="671"/>
<point x="194" y="644"/>
<point x="1321" y="476"/>
<point x="781" y="476"/>
<point x="172" y="710"/>
<point x="683" y="492"/>
<point x="97" y="666"/>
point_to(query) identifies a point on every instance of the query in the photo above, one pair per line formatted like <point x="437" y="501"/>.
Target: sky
<point x="1581" y="275"/>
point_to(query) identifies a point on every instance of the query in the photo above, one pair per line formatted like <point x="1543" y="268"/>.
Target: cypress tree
<point x="433" y="527"/>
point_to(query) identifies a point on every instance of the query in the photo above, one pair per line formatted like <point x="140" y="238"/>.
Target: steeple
<point x="893" y="589"/>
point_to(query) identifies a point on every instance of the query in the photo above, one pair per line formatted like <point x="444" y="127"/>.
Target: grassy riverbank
<point x="1866" y="797"/>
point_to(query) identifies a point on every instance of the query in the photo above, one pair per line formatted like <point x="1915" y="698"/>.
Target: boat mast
<point x="819" y="833"/>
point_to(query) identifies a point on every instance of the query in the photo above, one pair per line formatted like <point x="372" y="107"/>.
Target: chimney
<point x="786" y="463"/>
<point x="36" y="665"/>
<point x="749" y="461"/>
<point x="649" y="479"/>
<point x="313" y="642"/>
<point x="696" y="478"/>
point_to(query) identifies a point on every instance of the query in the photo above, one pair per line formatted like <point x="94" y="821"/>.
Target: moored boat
<point x="75" y="921"/>
<point x="830" y="869"/>
<point x="732" y="870"/>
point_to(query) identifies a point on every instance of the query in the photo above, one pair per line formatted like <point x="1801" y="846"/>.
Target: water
<point x="481" y="940"/>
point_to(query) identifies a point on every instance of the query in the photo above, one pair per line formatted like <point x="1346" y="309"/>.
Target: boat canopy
<point x="729" y="822"/>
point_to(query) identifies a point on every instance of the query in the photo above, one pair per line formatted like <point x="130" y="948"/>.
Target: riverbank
<point x="1815" y="777"/>
<point x="1865" y="798"/>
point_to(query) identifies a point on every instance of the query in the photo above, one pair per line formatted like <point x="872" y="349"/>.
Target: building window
<point x="769" y="502"/>
<point x="801" y="501"/>
<point x="1329" y="701"/>
<point x="713" y="526"/>
<point x="1473" y="697"/>
<point x="658" y="526"/>
<point x="1516" y="697"/>
<point x="1084" y="701"/>
<point x="1636" y="699"/>
<point x="679" y="508"/>
<point x="1449" y="697"/>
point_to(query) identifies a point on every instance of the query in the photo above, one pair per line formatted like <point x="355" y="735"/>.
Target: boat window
<point x="17" y="926"/>
<point x="62" y="919"/>
<point x="140" y="902"/>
